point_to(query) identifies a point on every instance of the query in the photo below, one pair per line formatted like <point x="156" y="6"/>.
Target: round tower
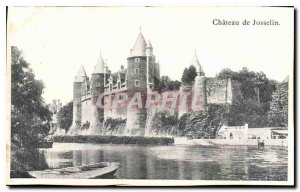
<point x="97" y="88"/>
<point x="137" y="77"/>
<point x="78" y="86"/>
<point x="199" y="102"/>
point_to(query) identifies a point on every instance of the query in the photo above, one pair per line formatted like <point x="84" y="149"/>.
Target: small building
<point x="279" y="134"/>
<point x="244" y="132"/>
<point x="233" y="132"/>
<point x="260" y="133"/>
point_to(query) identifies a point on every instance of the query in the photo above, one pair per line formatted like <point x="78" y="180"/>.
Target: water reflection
<point x="177" y="162"/>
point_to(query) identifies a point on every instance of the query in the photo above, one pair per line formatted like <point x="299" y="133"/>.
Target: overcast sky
<point x="57" y="40"/>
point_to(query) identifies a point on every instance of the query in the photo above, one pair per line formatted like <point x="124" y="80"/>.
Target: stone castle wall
<point x="218" y="92"/>
<point x="86" y="111"/>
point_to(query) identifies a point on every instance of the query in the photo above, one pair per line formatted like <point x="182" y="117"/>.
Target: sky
<point x="56" y="41"/>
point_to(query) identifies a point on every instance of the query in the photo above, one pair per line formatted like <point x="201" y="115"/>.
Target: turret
<point x="106" y="68"/>
<point x="197" y="65"/>
<point x="78" y="87"/>
<point x="199" y="101"/>
<point x="97" y="88"/>
<point x="149" y="49"/>
<point x="137" y="82"/>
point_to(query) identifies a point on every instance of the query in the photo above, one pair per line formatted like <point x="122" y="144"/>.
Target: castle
<point x="139" y="77"/>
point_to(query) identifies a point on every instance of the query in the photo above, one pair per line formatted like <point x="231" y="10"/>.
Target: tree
<point x="166" y="84"/>
<point x="189" y="74"/>
<point x="254" y="85"/>
<point x="65" y="116"/>
<point x="278" y="114"/>
<point x="176" y="85"/>
<point x="30" y="117"/>
<point x="226" y="73"/>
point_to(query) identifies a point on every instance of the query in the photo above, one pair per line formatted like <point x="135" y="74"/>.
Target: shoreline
<point x="105" y="139"/>
<point x="229" y="142"/>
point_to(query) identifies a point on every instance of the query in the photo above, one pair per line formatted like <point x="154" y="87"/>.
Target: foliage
<point x="30" y="117"/>
<point x="189" y="74"/>
<point x="278" y="114"/>
<point x="113" y="124"/>
<point x="249" y="111"/>
<point x="65" y="116"/>
<point x="204" y="124"/>
<point x="251" y="82"/>
<point x="256" y="91"/>
<point x="166" y="84"/>
<point x="25" y="160"/>
<point x="226" y="74"/>
<point x="163" y="122"/>
<point x="197" y="124"/>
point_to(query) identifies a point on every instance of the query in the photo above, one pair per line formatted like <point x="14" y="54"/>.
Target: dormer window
<point x="137" y="71"/>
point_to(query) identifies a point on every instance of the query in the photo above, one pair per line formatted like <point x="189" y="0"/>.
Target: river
<point x="176" y="162"/>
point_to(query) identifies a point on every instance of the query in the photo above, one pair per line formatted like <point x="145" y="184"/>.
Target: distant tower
<point x="79" y="88"/>
<point x="97" y="87"/>
<point x="199" y="89"/>
<point x="137" y="82"/>
<point x="152" y="67"/>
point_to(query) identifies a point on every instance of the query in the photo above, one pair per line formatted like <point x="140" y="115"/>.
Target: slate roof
<point x="99" y="67"/>
<point x="139" y="47"/>
<point x="81" y="75"/>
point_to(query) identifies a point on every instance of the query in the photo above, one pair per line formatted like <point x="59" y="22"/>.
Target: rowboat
<point x="99" y="170"/>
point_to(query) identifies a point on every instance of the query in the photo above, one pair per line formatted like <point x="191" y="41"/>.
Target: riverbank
<point x="221" y="142"/>
<point x="99" y="139"/>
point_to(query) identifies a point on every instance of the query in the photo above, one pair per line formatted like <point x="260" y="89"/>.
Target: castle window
<point x="137" y="60"/>
<point x="137" y="71"/>
<point x="137" y="83"/>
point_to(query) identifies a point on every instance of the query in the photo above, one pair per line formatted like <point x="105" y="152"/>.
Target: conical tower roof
<point x="149" y="45"/>
<point x="139" y="47"/>
<point x="99" y="67"/>
<point x="81" y="75"/>
<point x="197" y="65"/>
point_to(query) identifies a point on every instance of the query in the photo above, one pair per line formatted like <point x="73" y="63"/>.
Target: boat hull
<point x="105" y="170"/>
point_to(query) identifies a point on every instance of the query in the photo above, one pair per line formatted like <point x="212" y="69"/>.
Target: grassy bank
<point x="114" y="139"/>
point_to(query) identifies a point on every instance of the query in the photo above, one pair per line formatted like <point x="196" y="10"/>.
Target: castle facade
<point x="138" y="77"/>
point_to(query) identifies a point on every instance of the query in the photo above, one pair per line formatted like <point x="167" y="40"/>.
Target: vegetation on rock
<point x="164" y="123"/>
<point x="114" y="125"/>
